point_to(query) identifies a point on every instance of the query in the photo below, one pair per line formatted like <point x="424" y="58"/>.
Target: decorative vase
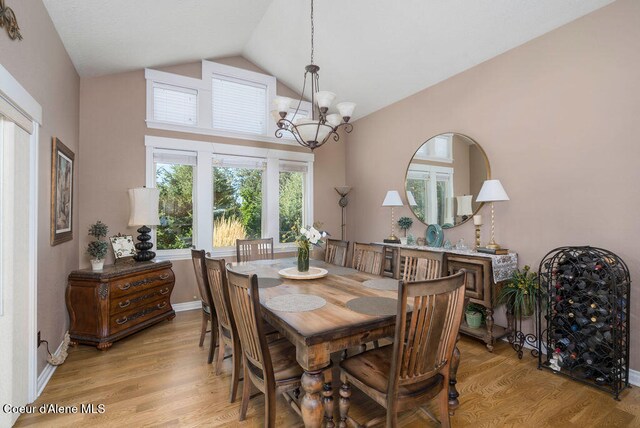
<point x="97" y="264"/>
<point x="474" y="319"/>
<point x="303" y="256"/>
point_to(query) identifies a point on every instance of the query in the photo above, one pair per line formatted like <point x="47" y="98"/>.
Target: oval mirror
<point x="443" y="179"/>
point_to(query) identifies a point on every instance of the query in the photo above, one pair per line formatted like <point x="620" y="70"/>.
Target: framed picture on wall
<point x="62" y="166"/>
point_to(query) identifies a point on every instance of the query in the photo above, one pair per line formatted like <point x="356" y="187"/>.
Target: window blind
<point x="239" y="105"/>
<point x="175" y="104"/>
<point x="291" y="166"/>
<point x="239" y="162"/>
<point x="175" y="157"/>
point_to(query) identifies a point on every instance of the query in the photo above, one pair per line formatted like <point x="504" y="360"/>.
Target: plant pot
<point x="403" y="241"/>
<point x="303" y="258"/>
<point x="97" y="264"/>
<point x="474" y="319"/>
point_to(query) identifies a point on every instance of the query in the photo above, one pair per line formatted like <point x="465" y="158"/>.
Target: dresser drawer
<point x="138" y="315"/>
<point x="475" y="277"/>
<point x="142" y="282"/>
<point x="126" y="303"/>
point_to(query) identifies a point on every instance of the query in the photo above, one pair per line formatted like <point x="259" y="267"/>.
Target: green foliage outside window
<point x="175" y="183"/>
<point x="291" y="200"/>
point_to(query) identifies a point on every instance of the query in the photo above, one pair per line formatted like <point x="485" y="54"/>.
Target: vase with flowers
<point x="308" y="236"/>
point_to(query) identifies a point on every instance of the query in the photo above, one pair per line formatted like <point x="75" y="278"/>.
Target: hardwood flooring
<point x="159" y="377"/>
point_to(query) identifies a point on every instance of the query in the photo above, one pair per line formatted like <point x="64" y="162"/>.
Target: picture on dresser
<point x="62" y="165"/>
<point x="123" y="246"/>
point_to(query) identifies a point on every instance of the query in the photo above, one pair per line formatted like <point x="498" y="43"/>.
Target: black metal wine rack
<point x="586" y="310"/>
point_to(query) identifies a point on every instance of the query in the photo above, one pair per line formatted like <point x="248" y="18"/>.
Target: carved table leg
<point x="311" y="404"/>
<point x="104" y="346"/>
<point x="489" y="338"/>
<point x="328" y="405"/>
<point x="345" y="393"/>
<point x="453" y="380"/>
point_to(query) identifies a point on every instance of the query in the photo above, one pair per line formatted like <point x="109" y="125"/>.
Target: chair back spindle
<point x="198" y="257"/>
<point x="368" y="258"/>
<point x="419" y="265"/>
<point x="336" y="252"/>
<point x="254" y="249"/>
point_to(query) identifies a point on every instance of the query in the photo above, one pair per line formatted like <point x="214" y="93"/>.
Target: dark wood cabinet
<point x="105" y="306"/>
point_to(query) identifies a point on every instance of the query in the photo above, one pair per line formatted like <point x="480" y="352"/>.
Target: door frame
<point x="14" y="93"/>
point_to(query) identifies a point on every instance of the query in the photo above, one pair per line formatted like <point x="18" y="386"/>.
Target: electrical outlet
<point x="39" y="341"/>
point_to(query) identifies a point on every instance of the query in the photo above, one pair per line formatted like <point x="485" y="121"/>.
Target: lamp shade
<point x="343" y="190"/>
<point x="144" y="203"/>
<point x="464" y="205"/>
<point x="492" y="191"/>
<point x="411" y="199"/>
<point x="392" y="199"/>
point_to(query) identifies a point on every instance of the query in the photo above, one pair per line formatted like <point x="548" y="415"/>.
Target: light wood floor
<point x="160" y="377"/>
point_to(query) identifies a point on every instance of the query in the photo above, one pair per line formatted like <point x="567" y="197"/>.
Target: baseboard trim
<point x="634" y="377"/>
<point x="45" y="376"/>
<point x="187" y="306"/>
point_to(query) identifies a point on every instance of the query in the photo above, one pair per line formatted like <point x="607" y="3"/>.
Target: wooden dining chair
<point x="254" y="249"/>
<point x="368" y="258"/>
<point x="418" y="265"/>
<point x="208" y="310"/>
<point x="415" y="368"/>
<point x="227" y="333"/>
<point x="271" y="367"/>
<point x="336" y="252"/>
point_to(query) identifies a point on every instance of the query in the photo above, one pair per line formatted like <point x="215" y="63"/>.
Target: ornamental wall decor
<point x="9" y="21"/>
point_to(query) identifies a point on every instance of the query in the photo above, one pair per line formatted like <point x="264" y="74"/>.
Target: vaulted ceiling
<point x="372" y="52"/>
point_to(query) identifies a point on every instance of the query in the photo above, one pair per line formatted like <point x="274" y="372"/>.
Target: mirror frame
<point x="487" y="165"/>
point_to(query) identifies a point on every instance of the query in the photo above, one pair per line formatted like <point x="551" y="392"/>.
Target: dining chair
<point x="254" y="249"/>
<point x="271" y="367"/>
<point x="336" y="252"/>
<point x="418" y="265"/>
<point x="415" y="368"/>
<point x="227" y="333"/>
<point x="208" y="310"/>
<point x="368" y="258"/>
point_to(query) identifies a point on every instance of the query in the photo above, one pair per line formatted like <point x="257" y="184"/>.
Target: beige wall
<point x="41" y="64"/>
<point x="558" y="119"/>
<point x="112" y="130"/>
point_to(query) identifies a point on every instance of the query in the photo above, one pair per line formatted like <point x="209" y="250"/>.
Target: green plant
<point x="405" y="224"/>
<point x="476" y="308"/>
<point x="520" y="292"/>
<point x="98" y="249"/>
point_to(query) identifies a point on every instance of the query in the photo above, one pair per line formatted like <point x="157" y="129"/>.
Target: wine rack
<point x="585" y="304"/>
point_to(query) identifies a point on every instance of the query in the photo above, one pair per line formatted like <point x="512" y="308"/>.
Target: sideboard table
<point x="122" y="299"/>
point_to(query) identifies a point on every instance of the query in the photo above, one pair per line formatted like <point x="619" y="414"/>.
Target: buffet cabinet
<point x="480" y="289"/>
<point x="122" y="299"/>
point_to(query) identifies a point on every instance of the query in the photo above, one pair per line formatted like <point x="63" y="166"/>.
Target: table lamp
<point x="492" y="191"/>
<point x="144" y="203"/>
<point x="464" y="206"/>
<point x="411" y="199"/>
<point x="392" y="200"/>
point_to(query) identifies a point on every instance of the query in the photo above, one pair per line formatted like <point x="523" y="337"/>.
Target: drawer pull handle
<point x="162" y="305"/>
<point x="121" y="321"/>
<point x="124" y="304"/>
<point x="165" y="291"/>
<point x="125" y="286"/>
<point x="164" y="276"/>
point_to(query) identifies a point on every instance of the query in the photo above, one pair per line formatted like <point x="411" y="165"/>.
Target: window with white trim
<point x="437" y="149"/>
<point x="432" y="188"/>
<point x="212" y="194"/>
<point x="227" y="102"/>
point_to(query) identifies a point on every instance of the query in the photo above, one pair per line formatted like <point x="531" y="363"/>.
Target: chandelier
<point x="322" y="126"/>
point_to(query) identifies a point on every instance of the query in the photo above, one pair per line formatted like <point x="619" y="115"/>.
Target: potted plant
<point x="405" y="224"/>
<point x="306" y="237"/>
<point x="98" y="249"/>
<point x="520" y="292"/>
<point x="474" y="314"/>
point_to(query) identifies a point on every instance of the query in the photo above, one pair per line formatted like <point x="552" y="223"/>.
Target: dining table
<point x="344" y="309"/>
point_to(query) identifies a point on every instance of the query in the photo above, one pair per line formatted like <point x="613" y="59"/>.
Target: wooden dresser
<point x="105" y="306"/>
<point x="480" y="289"/>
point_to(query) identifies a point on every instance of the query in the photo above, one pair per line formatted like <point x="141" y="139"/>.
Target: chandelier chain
<point x="312" y="31"/>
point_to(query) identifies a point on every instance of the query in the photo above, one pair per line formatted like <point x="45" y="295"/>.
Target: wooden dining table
<point x="320" y="332"/>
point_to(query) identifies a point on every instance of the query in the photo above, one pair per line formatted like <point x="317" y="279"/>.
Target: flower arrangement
<point x="520" y="292"/>
<point x="306" y="237"/>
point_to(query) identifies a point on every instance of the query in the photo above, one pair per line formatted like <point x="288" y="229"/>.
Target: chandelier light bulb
<point x="324" y="99"/>
<point x="282" y="104"/>
<point x="334" y="119"/>
<point x="346" y="110"/>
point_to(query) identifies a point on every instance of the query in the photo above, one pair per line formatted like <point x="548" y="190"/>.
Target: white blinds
<point x="175" y="157"/>
<point x="15" y="115"/>
<point x="291" y="166"/>
<point x="175" y="104"/>
<point x="239" y="105"/>
<point x="239" y="162"/>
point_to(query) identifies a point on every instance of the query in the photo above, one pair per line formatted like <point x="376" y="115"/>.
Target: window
<point x="212" y="194"/>
<point x="174" y="104"/>
<point x="432" y="188"/>
<point x="174" y="174"/>
<point x="438" y="149"/>
<point x="239" y="105"/>
<point x="237" y="201"/>
<point x="291" y="201"/>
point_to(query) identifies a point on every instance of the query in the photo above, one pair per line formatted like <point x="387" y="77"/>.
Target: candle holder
<point x="478" y="226"/>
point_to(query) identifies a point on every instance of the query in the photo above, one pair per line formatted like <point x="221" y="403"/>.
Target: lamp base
<point x="143" y="247"/>
<point x="392" y="239"/>
<point x="493" y="246"/>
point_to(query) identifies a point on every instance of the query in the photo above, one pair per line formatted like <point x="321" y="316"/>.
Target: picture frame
<point x="62" y="186"/>
<point x="123" y="246"/>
